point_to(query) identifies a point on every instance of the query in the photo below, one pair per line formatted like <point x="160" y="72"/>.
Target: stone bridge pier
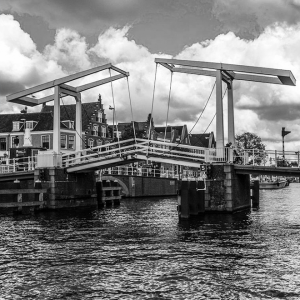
<point x="225" y="192"/>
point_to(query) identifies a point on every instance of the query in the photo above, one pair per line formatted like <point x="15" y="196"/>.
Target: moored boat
<point x="276" y="184"/>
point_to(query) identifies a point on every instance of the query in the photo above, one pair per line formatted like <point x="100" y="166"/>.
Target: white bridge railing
<point x="148" y="149"/>
<point x="152" y="172"/>
<point x="21" y="164"/>
<point x="145" y="148"/>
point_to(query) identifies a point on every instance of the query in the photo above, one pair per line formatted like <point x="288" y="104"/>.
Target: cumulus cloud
<point x="69" y="50"/>
<point x="21" y="64"/>
<point x="259" y="108"/>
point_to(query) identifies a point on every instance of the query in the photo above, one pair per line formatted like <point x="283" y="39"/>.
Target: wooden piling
<point x="193" y="199"/>
<point x="255" y="194"/>
<point x="201" y="196"/>
<point x="184" y="207"/>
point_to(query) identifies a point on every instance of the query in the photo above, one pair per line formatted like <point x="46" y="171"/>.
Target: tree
<point x="248" y="142"/>
<point x="128" y="133"/>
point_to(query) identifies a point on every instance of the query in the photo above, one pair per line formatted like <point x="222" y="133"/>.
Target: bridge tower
<point x="227" y="73"/>
<point x="63" y="88"/>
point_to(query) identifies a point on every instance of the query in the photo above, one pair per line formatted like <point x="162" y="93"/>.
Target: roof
<point x="137" y="125"/>
<point x="45" y="117"/>
<point x="68" y="112"/>
<point x="201" y="140"/>
<point x="6" y="121"/>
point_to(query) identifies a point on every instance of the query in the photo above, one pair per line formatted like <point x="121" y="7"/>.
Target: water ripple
<point x="141" y="251"/>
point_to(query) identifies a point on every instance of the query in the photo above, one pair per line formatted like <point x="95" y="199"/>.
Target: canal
<point x="140" y="251"/>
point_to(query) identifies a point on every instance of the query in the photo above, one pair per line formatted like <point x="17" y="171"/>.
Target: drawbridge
<point x="132" y="150"/>
<point x="137" y="149"/>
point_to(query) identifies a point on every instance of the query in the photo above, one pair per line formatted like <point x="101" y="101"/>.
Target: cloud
<point x="250" y="18"/>
<point x="89" y="18"/>
<point x="21" y="64"/>
<point x="69" y="50"/>
<point x="259" y="108"/>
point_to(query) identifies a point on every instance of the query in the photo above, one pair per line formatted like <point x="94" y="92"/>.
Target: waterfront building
<point x="36" y="129"/>
<point x="173" y="134"/>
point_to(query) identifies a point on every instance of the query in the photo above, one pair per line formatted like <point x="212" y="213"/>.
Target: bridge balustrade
<point x="12" y="165"/>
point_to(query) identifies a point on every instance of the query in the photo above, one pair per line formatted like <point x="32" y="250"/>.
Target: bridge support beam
<point x="78" y="122"/>
<point x="231" y="132"/>
<point x="219" y="111"/>
<point x="56" y="120"/>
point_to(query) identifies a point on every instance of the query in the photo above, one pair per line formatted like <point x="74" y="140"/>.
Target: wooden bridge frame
<point x="62" y="89"/>
<point x="227" y="73"/>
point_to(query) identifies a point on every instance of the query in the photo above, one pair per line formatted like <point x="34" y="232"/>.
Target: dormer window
<point x="69" y="124"/>
<point x="16" y="126"/>
<point x="95" y="130"/>
<point x="30" y="124"/>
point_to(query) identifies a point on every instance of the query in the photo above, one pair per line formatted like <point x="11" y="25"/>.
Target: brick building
<point x="40" y="125"/>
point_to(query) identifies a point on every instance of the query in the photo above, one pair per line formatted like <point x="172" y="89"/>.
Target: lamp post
<point x="283" y="134"/>
<point x="112" y="108"/>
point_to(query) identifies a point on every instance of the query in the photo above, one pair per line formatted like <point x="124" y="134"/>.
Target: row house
<point x="14" y="128"/>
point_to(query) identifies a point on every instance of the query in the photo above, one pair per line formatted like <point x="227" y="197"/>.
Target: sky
<point x="41" y="40"/>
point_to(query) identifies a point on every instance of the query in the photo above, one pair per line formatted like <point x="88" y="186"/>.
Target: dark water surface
<point x="141" y="251"/>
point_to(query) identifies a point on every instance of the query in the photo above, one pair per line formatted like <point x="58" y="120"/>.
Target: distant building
<point x="206" y="140"/>
<point x="173" y="134"/>
<point x="40" y="125"/>
<point x="126" y="130"/>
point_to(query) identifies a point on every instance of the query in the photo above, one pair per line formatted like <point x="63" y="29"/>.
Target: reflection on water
<point x="140" y="251"/>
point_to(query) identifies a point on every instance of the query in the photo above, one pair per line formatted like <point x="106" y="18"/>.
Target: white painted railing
<point x="147" y="148"/>
<point x="18" y="164"/>
<point x="151" y="172"/>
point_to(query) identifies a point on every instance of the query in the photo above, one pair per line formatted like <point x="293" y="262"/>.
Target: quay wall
<point x="139" y="186"/>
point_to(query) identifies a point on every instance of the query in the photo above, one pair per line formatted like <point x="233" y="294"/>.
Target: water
<point x="141" y="251"/>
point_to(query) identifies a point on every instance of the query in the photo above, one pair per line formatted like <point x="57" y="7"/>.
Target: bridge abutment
<point x="67" y="190"/>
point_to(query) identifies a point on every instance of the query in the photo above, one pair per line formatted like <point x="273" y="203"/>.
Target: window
<point x="71" y="142"/>
<point x="69" y="124"/>
<point x="95" y="130"/>
<point x="91" y="143"/>
<point x="15" y="141"/>
<point x="2" y="144"/>
<point x="99" y="119"/>
<point x="103" y="131"/>
<point x="30" y="124"/>
<point x="46" y="141"/>
<point x="63" y="141"/>
<point x="16" y="126"/>
<point x="99" y="143"/>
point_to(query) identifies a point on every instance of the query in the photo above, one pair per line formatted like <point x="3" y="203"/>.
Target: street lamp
<point x="283" y="134"/>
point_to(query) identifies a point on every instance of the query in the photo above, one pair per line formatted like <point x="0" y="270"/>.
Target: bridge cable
<point x="215" y="113"/>
<point x="200" y="113"/>
<point x="150" y="123"/>
<point x="168" y="106"/>
<point x="113" y="98"/>
<point x="133" y="124"/>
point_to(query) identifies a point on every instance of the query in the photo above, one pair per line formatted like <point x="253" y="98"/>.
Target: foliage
<point x="248" y="142"/>
<point x="128" y="133"/>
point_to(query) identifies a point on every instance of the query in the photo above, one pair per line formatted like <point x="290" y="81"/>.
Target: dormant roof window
<point x="16" y="126"/>
<point x="69" y="124"/>
<point x="30" y="124"/>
